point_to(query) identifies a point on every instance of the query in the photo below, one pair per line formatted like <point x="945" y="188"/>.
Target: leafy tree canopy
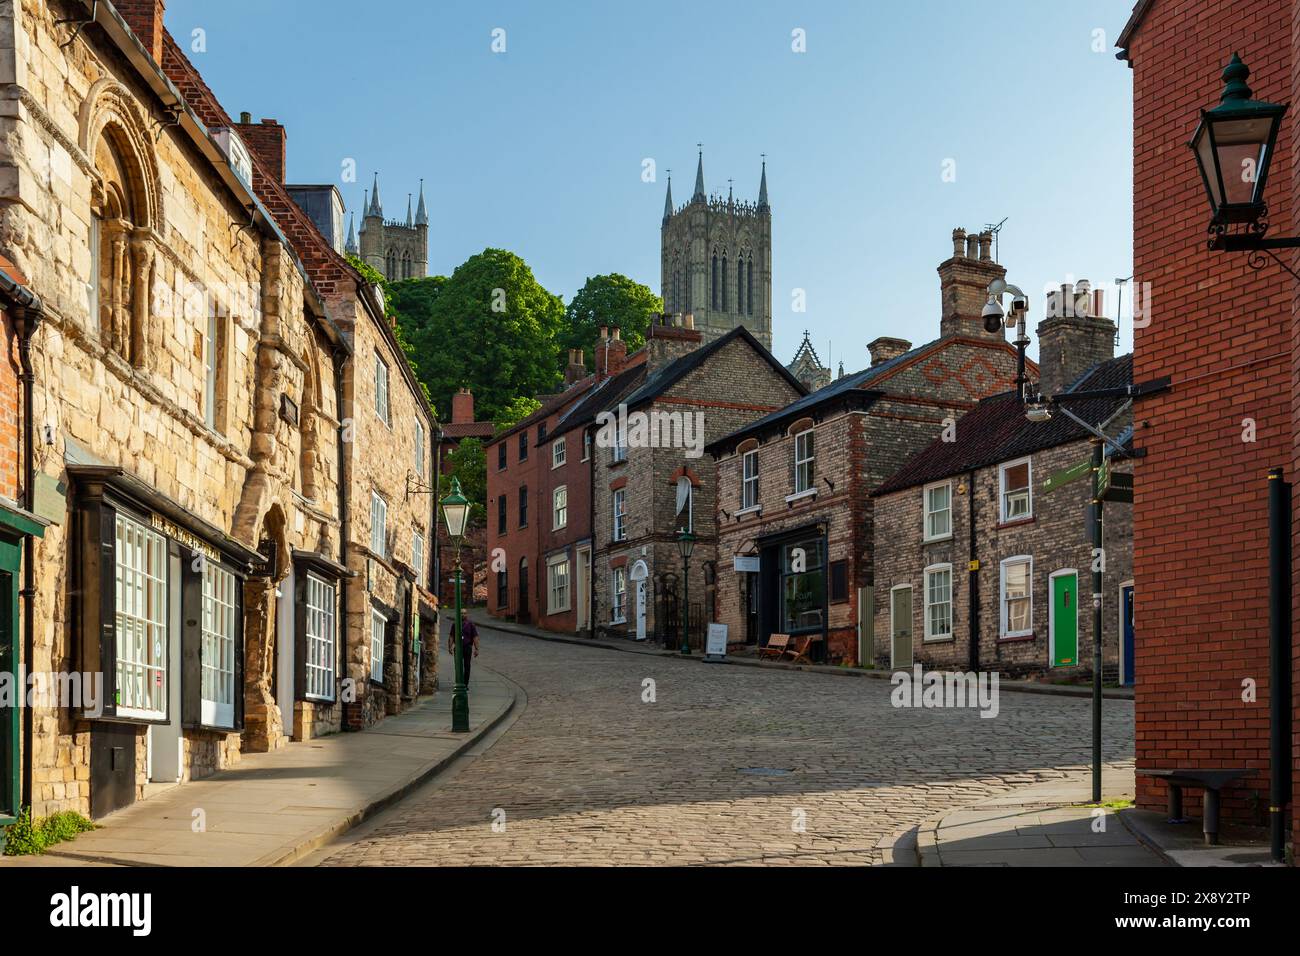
<point x="515" y="412"/>
<point x="489" y="326"/>
<point x="608" y="300"/>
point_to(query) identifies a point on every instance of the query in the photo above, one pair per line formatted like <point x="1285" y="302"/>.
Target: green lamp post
<point x="455" y="512"/>
<point x="685" y="545"/>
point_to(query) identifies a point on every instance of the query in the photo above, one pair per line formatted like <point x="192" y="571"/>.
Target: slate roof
<point x="996" y="430"/>
<point x="549" y="404"/>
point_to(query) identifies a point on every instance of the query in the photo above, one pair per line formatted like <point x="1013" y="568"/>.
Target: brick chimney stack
<point x="963" y="285"/>
<point x="145" y="18"/>
<point x="267" y="140"/>
<point x="576" y="370"/>
<point x="462" y="407"/>
<point x="669" y="337"/>
<point x="885" y="348"/>
<point x="611" y="352"/>
<point x="1073" y="337"/>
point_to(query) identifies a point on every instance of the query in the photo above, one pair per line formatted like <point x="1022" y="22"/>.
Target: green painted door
<point x="10" y="562"/>
<point x="1065" y="620"/>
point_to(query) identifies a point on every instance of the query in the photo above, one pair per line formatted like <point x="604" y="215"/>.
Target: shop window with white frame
<point x="938" y="511"/>
<point x="378" y="525"/>
<point x="217" y="658"/>
<point x="378" y="628"/>
<point x="938" y="602"/>
<point x="620" y="514"/>
<point x="618" y="596"/>
<point x="557" y="573"/>
<point x="141" y="620"/>
<point x="321" y="630"/>
<point x="381" y="390"/>
<point x="1016" y="597"/>
<point x="1015" y="479"/>
<point x="559" y="508"/>
<point x="804" y="473"/>
<point x="559" y="453"/>
<point x="749" y="480"/>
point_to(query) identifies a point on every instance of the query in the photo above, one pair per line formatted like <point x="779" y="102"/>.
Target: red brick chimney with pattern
<point x="145" y="18"/>
<point x="462" y="407"/>
<point x="268" y="140"/>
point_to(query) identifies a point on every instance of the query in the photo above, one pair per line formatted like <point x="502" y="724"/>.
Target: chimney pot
<point x="245" y="117"/>
<point x="958" y="243"/>
<point x="986" y="245"/>
<point x="972" y="246"/>
<point x="618" y="334"/>
<point x="604" y="331"/>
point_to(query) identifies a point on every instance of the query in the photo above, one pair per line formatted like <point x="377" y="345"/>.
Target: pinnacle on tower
<point x="351" y="245"/>
<point x="376" y="207"/>
<point x="410" y="223"/>
<point x="365" y="207"/>
<point x="668" y="198"/>
<point x="762" y="187"/>
<point x="699" y="179"/>
<point x="421" y="214"/>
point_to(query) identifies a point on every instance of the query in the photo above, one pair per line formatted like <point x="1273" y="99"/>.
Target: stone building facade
<point x="716" y="261"/>
<point x="795" y="517"/>
<point x="197" y="419"/>
<point x="1225" y="335"/>
<point x="651" y="480"/>
<point x="979" y="567"/>
<point x="398" y="248"/>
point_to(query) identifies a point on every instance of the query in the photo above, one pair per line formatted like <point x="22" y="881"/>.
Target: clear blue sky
<point x="540" y="149"/>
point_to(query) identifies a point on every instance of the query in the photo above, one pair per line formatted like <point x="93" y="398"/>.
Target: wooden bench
<point x="777" y="645"/>
<point x="1211" y="781"/>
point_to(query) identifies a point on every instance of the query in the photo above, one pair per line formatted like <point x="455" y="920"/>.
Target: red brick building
<point x="474" y="548"/>
<point x="1225" y="335"/>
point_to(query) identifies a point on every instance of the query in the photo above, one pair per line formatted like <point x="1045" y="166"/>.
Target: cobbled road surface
<point x="593" y="773"/>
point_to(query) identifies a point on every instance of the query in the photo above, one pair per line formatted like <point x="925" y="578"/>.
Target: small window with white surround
<point x="1016" y="598"/>
<point x="558" y="452"/>
<point x="620" y="515"/>
<point x="378" y="627"/>
<point x="417" y="557"/>
<point x="1017" y="499"/>
<point x="804" y="473"/>
<point x="618" y="596"/>
<point x="321" y="629"/>
<point x="938" y="602"/>
<point x="749" y="480"/>
<point x="559" y="508"/>
<point x="378" y="526"/>
<point x="381" y="390"/>
<point x="938" y="511"/>
<point x="557" y="574"/>
<point x="419" y="448"/>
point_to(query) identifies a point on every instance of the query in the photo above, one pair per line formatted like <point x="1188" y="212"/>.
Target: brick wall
<point x="1223" y="332"/>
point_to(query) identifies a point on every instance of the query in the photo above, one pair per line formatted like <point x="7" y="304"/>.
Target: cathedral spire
<point x="668" y="198"/>
<point x="410" y="223"/>
<point x="365" y="207"/>
<point x="376" y="207"/>
<point x="699" y="177"/>
<point x="351" y="244"/>
<point x="762" y="186"/>
<point x="421" y="214"/>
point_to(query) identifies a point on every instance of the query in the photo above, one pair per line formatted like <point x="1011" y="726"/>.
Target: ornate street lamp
<point x="455" y="512"/>
<point x="686" y="545"/>
<point x="1233" y="146"/>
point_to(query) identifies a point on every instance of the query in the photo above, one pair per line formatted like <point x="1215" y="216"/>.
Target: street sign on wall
<point x="1080" y="469"/>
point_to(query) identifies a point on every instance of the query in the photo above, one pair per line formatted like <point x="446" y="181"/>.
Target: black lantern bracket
<point x="415" y="485"/>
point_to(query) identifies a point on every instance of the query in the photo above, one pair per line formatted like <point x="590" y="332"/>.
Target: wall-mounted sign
<point x="187" y="538"/>
<point x="745" y="562"/>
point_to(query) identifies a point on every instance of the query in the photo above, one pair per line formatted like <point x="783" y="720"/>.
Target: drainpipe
<point x="340" y="362"/>
<point x="972" y="578"/>
<point x="27" y="311"/>
<point x="1279" y="659"/>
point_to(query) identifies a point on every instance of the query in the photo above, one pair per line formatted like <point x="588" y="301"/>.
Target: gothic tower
<point x="398" y="248"/>
<point x="716" y="260"/>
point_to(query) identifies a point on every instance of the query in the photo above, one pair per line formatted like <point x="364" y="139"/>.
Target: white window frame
<point x="559" y="584"/>
<point x="219" y="627"/>
<point x="619" y="451"/>
<point x="586" y="445"/>
<point x="618" y="596"/>
<point x="322" y="638"/>
<point x="619" y="507"/>
<point x="210" y="369"/>
<point x="378" y="525"/>
<point x="560" y="508"/>
<point x="928" y="634"/>
<point x="810" y="460"/>
<point x="749" y="480"/>
<point x="1028" y="561"/>
<point x="417" y="556"/>
<point x="419" y="448"/>
<point x="382" y="408"/>
<point x="1002" y="490"/>
<point x="378" y="630"/>
<point x="927" y="513"/>
<point x="141" y="571"/>
<point x="559" y="452"/>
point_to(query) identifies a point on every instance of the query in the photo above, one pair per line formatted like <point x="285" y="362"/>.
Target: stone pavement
<point x="643" y="759"/>
<point x="1041" y="825"/>
<point x="274" y="808"/>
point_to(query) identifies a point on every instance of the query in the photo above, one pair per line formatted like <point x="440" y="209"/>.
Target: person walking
<point x="468" y="643"/>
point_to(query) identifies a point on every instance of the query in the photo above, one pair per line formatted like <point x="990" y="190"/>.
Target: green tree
<point x="608" y="300"/>
<point x="468" y="462"/>
<point x="519" y="408"/>
<point x="489" y="326"/>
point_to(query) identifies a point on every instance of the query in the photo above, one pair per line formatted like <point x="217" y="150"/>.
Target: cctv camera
<point x="992" y="315"/>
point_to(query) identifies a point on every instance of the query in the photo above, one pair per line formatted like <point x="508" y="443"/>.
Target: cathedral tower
<point x="398" y="248"/>
<point x="716" y="260"/>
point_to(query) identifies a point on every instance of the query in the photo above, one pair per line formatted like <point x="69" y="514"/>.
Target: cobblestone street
<point x="591" y="774"/>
